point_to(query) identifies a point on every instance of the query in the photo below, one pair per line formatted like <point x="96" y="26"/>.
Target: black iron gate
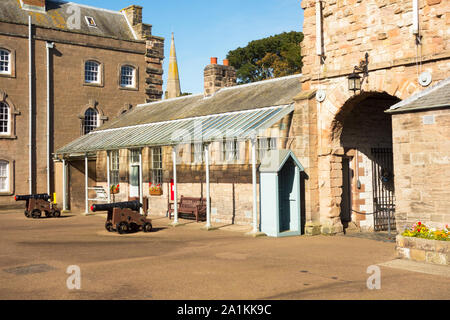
<point x="383" y="189"/>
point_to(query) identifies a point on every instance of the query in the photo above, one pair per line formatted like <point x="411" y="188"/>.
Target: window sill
<point x="97" y="85"/>
<point x="129" y="88"/>
<point x="7" y="75"/>
<point x="6" y="193"/>
<point x="8" y="137"/>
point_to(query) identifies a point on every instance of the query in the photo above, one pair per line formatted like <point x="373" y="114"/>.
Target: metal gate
<point x="383" y="189"/>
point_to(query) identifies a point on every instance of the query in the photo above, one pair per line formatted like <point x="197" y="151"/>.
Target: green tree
<point x="271" y="57"/>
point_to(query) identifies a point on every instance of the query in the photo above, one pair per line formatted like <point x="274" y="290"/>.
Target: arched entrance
<point x="364" y="132"/>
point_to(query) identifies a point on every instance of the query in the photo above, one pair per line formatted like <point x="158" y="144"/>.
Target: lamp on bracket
<point x="355" y="81"/>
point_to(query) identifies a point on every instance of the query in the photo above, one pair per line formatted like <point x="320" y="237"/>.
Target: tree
<point x="271" y="57"/>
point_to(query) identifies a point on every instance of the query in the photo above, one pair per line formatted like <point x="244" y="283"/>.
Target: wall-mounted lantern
<point x="354" y="79"/>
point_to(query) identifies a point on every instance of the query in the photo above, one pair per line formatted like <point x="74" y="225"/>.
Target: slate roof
<point x="268" y="93"/>
<point x="111" y="24"/>
<point x="436" y="96"/>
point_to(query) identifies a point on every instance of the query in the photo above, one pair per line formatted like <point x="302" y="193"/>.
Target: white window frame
<point x="8" y="60"/>
<point x="8" y="119"/>
<point x="114" y="167"/>
<point x="230" y="150"/>
<point x="157" y="166"/>
<point x="93" y="25"/>
<point x="4" y="174"/>
<point x="264" y="145"/>
<point x="92" y="73"/>
<point x="198" y="151"/>
<point x="127" y="76"/>
<point x="90" y="123"/>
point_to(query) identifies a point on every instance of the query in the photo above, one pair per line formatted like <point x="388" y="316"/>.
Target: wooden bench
<point x="191" y="206"/>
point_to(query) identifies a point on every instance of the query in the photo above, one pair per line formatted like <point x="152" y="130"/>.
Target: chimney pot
<point x="213" y="60"/>
<point x="226" y="62"/>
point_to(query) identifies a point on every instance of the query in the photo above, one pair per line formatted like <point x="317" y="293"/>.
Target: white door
<point x="134" y="180"/>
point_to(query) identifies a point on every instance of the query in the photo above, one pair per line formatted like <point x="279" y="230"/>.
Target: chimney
<point x="133" y="15"/>
<point x="218" y="76"/>
<point x="33" y="5"/>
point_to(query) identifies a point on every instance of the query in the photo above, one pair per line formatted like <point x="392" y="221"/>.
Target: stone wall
<point x="352" y="28"/>
<point x="422" y="167"/>
<point x="423" y="250"/>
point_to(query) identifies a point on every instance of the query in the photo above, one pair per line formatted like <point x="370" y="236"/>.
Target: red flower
<point x="419" y="223"/>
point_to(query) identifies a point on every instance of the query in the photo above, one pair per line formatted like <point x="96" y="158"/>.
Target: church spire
<point x="173" y="81"/>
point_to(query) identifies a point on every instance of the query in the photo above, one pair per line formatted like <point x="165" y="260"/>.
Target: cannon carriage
<point x="124" y="217"/>
<point x="36" y="204"/>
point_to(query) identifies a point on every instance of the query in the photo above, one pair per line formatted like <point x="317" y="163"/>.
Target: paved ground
<point x="189" y="263"/>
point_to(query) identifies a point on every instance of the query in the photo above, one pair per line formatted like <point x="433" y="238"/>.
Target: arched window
<point x="4" y="176"/>
<point x="127" y="77"/>
<point x="4" y="118"/>
<point x="92" y="72"/>
<point x="90" y="121"/>
<point x="5" y="61"/>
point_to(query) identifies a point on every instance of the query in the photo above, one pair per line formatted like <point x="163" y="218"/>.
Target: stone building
<point x="421" y="141"/>
<point x="391" y="50"/>
<point x="66" y="69"/>
<point x="223" y="125"/>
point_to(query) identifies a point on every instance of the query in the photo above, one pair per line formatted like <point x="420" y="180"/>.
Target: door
<point x="287" y="196"/>
<point x="383" y="189"/>
<point x="134" y="181"/>
<point x="346" y="201"/>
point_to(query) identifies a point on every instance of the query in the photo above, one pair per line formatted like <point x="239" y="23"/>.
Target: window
<point x="230" y="150"/>
<point x="127" y="77"/>
<point x="197" y="152"/>
<point x="264" y="145"/>
<point x="92" y="72"/>
<point x="5" y="62"/>
<point x="4" y="118"/>
<point x="4" y="176"/>
<point x="90" y="21"/>
<point x="90" y="121"/>
<point x="156" y="171"/>
<point x="114" y="167"/>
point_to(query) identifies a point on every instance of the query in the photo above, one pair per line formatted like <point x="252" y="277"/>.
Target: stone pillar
<point x="304" y="145"/>
<point x="154" y="57"/>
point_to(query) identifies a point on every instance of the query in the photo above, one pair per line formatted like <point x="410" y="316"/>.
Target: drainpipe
<point x="49" y="45"/>
<point x="30" y="108"/>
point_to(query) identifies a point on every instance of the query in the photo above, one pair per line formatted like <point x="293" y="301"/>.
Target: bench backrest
<point x="191" y="201"/>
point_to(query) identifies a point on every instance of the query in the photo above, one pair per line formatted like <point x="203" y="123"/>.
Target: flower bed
<point x="424" y="244"/>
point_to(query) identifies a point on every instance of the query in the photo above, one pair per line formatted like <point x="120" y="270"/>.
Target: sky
<point x="205" y="29"/>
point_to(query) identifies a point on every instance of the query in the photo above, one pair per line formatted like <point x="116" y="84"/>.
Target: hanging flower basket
<point x="155" y="190"/>
<point x="115" y="189"/>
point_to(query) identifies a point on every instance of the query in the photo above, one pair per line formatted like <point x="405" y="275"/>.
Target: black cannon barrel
<point x="42" y="196"/>
<point x="133" y="205"/>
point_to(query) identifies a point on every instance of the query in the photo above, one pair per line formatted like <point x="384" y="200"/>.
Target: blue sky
<point x="205" y="29"/>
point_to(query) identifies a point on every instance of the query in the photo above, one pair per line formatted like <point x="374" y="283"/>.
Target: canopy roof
<point x="241" y="125"/>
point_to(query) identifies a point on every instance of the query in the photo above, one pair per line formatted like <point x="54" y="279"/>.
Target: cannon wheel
<point x="36" y="213"/>
<point x="122" y="227"/>
<point x="27" y="214"/>
<point x="109" y="226"/>
<point x="48" y="214"/>
<point x="57" y="213"/>
<point x="147" y="227"/>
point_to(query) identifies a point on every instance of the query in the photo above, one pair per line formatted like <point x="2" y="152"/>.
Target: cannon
<point x="124" y="217"/>
<point x="35" y="204"/>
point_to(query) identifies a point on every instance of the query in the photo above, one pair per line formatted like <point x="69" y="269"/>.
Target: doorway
<point x="287" y="196"/>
